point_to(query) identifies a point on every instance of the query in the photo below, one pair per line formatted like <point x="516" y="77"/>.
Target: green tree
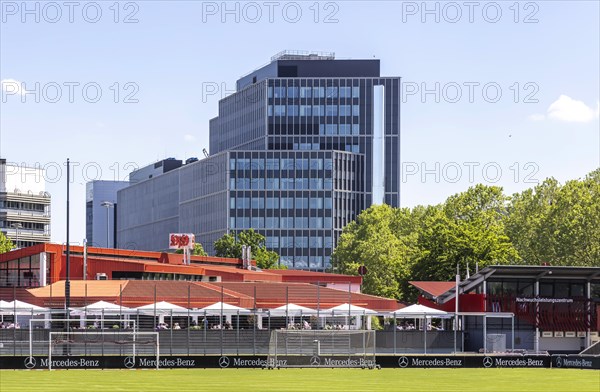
<point x="5" y="243"/>
<point x="371" y="240"/>
<point x="229" y="246"/>
<point x="197" y="251"/>
<point x="558" y="224"/>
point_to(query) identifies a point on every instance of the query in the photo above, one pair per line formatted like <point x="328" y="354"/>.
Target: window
<point x="345" y="129"/>
<point x="287" y="223"/>
<point x="287" y="183"/>
<point x="272" y="164"/>
<point x="272" y="183"/>
<point x="270" y="92"/>
<point x="302" y="222"/>
<point x="316" y="183"/>
<point x="316" y="164"/>
<point x="345" y="110"/>
<point x="272" y="223"/>
<point x="258" y="203"/>
<point x="318" y="110"/>
<point x="258" y="164"/>
<point x="279" y="110"/>
<point x="243" y="164"/>
<point x="301" y="242"/>
<point x="345" y="92"/>
<point x="292" y="110"/>
<point x="328" y="203"/>
<point x="287" y="242"/>
<point x="258" y="183"/>
<point x="292" y="92"/>
<point x="273" y="202"/>
<point x="355" y="110"/>
<point x="302" y="183"/>
<point x="302" y="164"/>
<point x="316" y="202"/>
<point x="270" y="110"/>
<point x="355" y="92"/>
<point x="272" y="242"/>
<point x="318" y="92"/>
<point x="287" y="163"/>
<point x="305" y="110"/>
<point x="331" y="110"/>
<point x="316" y="222"/>
<point x="328" y="223"/>
<point x="232" y="164"/>
<point x="232" y="203"/>
<point x="258" y="222"/>
<point x="331" y="92"/>
<point x="355" y="129"/>
<point x="232" y="222"/>
<point x="331" y="129"/>
<point x="243" y="202"/>
<point x="328" y="242"/>
<point x="316" y="242"/>
<point x="301" y="202"/>
<point x="287" y="202"/>
<point x="305" y="92"/>
<point x="279" y="92"/>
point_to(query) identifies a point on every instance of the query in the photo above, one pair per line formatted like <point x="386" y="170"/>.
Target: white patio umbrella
<point x="353" y="310"/>
<point x="292" y="310"/>
<point x="418" y="311"/>
<point x="99" y="308"/>
<point x="215" y="309"/>
<point x="162" y="308"/>
<point x="23" y="308"/>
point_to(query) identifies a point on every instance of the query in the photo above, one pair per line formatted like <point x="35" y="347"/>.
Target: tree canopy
<point x="5" y="243"/>
<point x="230" y="246"/>
<point x="197" y="251"/>
<point x="551" y="223"/>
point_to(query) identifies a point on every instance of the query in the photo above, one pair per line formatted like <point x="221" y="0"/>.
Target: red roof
<point x="433" y="288"/>
<point x="315" y="277"/>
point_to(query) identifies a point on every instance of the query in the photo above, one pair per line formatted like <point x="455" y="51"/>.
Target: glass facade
<point x="291" y="157"/>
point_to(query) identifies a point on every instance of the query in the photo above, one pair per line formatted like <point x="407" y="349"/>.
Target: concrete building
<point x="304" y="145"/>
<point x="24" y="204"/>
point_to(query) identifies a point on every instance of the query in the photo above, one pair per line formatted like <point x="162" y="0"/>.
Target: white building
<point x="24" y="204"/>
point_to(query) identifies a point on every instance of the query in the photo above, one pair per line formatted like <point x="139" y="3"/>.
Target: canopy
<point x="99" y="308"/>
<point x="292" y="310"/>
<point x="215" y="309"/>
<point x="22" y="308"/>
<point x="345" y="309"/>
<point x="162" y="308"/>
<point x="419" y="311"/>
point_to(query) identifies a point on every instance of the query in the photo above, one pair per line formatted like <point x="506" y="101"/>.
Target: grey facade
<point x="101" y="211"/>
<point x="304" y="145"/>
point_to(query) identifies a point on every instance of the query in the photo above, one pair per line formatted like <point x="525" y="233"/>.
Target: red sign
<point x="181" y="241"/>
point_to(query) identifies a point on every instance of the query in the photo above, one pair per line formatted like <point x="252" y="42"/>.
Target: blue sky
<point x="544" y="122"/>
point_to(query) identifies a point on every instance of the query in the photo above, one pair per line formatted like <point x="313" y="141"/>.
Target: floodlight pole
<point x="68" y="266"/>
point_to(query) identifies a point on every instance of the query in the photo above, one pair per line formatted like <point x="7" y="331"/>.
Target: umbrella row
<point x="166" y="308"/>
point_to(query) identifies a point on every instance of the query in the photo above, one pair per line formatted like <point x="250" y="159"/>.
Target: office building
<point x="304" y="145"/>
<point x="101" y="211"/>
<point x="24" y="204"/>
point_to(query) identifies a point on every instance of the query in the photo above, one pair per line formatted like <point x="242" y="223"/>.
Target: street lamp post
<point x="17" y="226"/>
<point x="107" y="204"/>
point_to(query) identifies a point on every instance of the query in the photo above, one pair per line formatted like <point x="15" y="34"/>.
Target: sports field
<point x="221" y="380"/>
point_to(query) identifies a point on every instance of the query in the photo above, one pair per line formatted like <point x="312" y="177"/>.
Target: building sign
<point x="182" y="241"/>
<point x="546" y="300"/>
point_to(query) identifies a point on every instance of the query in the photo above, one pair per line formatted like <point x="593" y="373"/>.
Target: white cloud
<point x="537" y="117"/>
<point x="189" y="138"/>
<point x="569" y="110"/>
<point x="11" y="86"/>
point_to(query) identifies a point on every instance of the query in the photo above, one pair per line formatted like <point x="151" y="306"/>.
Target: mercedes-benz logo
<point x="315" y="361"/>
<point x="559" y="362"/>
<point x="30" y="362"/>
<point x="129" y="362"/>
<point x="224" y="361"/>
<point x="403" y="362"/>
<point x="488" y="362"/>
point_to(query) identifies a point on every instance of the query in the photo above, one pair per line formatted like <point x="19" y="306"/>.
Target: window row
<point x="280" y="183"/>
<point x="314" y="92"/>
<point x="283" y="163"/>
<point x="299" y="242"/>
<point x="313" y="110"/>
<point x="277" y="203"/>
<point x="261" y="222"/>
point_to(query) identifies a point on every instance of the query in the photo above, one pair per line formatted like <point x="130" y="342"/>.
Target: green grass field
<point x="225" y="380"/>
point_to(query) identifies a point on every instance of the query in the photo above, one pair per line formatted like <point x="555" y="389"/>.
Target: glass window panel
<point x="345" y="110"/>
<point x="287" y="202"/>
<point x="232" y="164"/>
<point x="270" y="110"/>
<point x="355" y="129"/>
<point x="232" y="183"/>
<point x="305" y="110"/>
<point x="272" y="183"/>
<point x="287" y="164"/>
<point x="331" y="92"/>
<point x="345" y="92"/>
<point x="316" y="242"/>
<point x="316" y="164"/>
<point x="302" y="163"/>
<point x="328" y="222"/>
<point x="305" y="92"/>
<point x="356" y="92"/>
<point x="279" y="110"/>
<point x="316" y="183"/>
<point x="331" y="129"/>
<point x="272" y="163"/>
<point x="345" y="129"/>
<point x="316" y="222"/>
<point x="258" y="163"/>
<point x="232" y="222"/>
<point x="232" y="202"/>
<point x="273" y="202"/>
<point x="331" y="110"/>
<point x="318" y="92"/>
<point x="318" y="110"/>
<point x="257" y="183"/>
<point x="292" y="110"/>
<point x="301" y="202"/>
<point x="272" y="223"/>
<point x="355" y="110"/>
<point x="279" y="92"/>
<point x="270" y="92"/>
<point x="328" y="203"/>
<point x="292" y="92"/>
<point x="316" y="202"/>
<point x="258" y="203"/>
